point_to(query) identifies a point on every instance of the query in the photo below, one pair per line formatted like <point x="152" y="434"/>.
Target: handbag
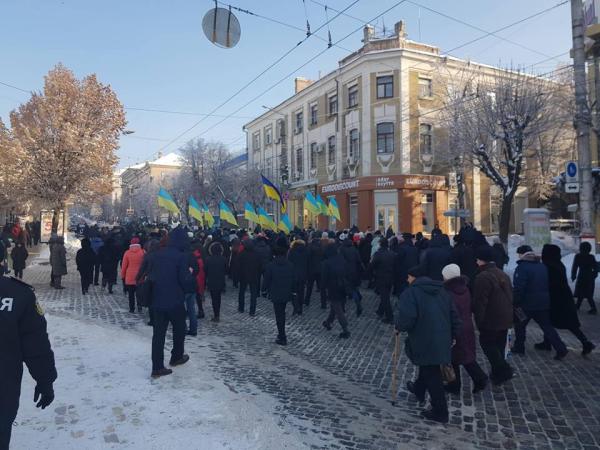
<point x="448" y="374"/>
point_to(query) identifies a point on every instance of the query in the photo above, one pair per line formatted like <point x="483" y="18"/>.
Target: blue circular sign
<point x="571" y="169"/>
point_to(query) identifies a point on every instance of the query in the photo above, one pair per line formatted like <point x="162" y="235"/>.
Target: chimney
<point x="368" y="32"/>
<point x="301" y="84"/>
<point x="400" y="30"/>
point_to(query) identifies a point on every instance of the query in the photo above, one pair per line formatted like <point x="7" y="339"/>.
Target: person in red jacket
<point x="200" y="282"/>
<point x="132" y="261"/>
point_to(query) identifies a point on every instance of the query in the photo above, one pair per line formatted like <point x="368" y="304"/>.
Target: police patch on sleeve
<point x="39" y="308"/>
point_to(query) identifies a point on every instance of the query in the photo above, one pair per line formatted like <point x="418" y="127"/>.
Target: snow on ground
<point x="105" y="398"/>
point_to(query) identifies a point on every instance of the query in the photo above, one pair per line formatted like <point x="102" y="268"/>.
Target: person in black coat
<point x="215" y="269"/>
<point x="262" y="248"/>
<point x="354" y="267"/>
<point x="279" y="282"/>
<point x="298" y="256"/>
<point x="436" y="257"/>
<point x="364" y="249"/>
<point x="315" y="258"/>
<point x="109" y="255"/>
<point x="19" y="257"/>
<point x="250" y="269"/>
<point x="406" y="258"/>
<point x="563" y="314"/>
<point x="500" y="255"/>
<point x="85" y="260"/>
<point x="335" y="281"/>
<point x="585" y="271"/>
<point x="463" y="255"/>
<point x="382" y="268"/>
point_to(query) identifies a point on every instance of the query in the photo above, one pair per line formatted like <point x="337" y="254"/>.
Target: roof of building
<point x="170" y="159"/>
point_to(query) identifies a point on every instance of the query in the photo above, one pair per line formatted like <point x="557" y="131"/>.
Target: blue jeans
<point x="190" y="307"/>
<point x="542" y="318"/>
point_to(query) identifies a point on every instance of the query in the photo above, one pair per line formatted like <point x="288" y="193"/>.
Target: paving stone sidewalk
<point x="337" y="392"/>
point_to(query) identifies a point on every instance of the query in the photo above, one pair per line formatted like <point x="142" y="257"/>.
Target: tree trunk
<point x="55" y="219"/>
<point x="505" y="212"/>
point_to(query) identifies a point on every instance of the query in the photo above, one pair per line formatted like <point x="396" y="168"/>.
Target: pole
<point x="582" y="121"/>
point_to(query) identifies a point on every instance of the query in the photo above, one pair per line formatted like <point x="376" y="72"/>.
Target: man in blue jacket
<point x="531" y="296"/>
<point x="169" y="272"/>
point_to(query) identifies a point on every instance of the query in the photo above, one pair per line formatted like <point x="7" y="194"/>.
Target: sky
<point x="155" y="56"/>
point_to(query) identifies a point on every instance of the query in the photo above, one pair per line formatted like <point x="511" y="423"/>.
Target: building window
<point x="268" y="135"/>
<point x="425" y="88"/>
<point x="256" y="141"/>
<point x="299" y="122"/>
<point x="280" y="130"/>
<point x="331" y="150"/>
<point x="299" y="161"/>
<point x="385" y="86"/>
<point x="353" y="96"/>
<point x="314" y="114"/>
<point x="385" y="137"/>
<point x="425" y="139"/>
<point x="354" y="148"/>
<point x="313" y="155"/>
<point x="333" y="105"/>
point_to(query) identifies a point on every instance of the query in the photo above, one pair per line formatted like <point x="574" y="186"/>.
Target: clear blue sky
<point x="155" y="56"/>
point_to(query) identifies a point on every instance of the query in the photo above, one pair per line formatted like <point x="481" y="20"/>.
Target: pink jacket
<point x="132" y="261"/>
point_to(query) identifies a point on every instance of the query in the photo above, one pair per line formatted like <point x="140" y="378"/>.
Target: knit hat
<point x="484" y="253"/>
<point x="451" y="271"/>
<point x="325" y="235"/>
<point x="135" y="240"/>
<point x="524" y="249"/>
<point x="416" y="271"/>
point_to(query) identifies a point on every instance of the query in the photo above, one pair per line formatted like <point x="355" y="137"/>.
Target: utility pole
<point x="582" y="122"/>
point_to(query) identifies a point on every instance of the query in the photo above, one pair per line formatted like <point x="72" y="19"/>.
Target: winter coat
<point x="530" y="284"/>
<point x="500" y="255"/>
<point x="58" y="258"/>
<point x="354" y="266"/>
<point x="563" y="314"/>
<point x="315" y="257"/>
<point x="298" y="256"/>
<point x="407" y="257"/>
<point x="97" y="243"/>
<point x="132" y="261"/>
<point x="463" y="256"/>
<point x="19" y="257"/>
<point x="250" y="263"/>
<point x="279" y="280"/>
<point x="585" y="270"/>
<point x="364" y="249"/>
<point x="492" y="299"/>
<point x="85" y="258"/>
<point x="436" y="257"/>
<point x="168" y="268"/>
<point x="200" y="276"/>
<point x="382" y="268"/>
<point x="264" y="252"/>
<point x="334" y="278"/>
<point x="215" y="268"/>
<point x="108" y="255"/>
<point x="464" y="350"/>
<point x="426" y="312"/>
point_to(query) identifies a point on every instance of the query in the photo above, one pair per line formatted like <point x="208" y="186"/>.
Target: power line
<point x="184" y="113"/>
<point x="15" y="87"/>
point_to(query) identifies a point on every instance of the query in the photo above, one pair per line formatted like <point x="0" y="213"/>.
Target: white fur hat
<point x="450" y="271"/>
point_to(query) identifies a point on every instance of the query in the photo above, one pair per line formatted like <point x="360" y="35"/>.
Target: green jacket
<point x="426" y="311"/>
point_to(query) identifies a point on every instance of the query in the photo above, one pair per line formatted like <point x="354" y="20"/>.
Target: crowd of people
<point x="437" y="293"/>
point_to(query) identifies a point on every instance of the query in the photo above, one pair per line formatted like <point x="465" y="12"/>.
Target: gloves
<point x="45" y="394"/>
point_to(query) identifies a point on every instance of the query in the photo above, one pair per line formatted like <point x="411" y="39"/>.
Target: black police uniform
<point x="23" y="339"/>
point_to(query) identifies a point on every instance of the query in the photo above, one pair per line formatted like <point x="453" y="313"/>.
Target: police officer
<point x="23" y="339"/>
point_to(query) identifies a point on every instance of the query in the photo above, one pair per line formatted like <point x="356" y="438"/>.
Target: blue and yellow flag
<point x="208" y="217"/>
<point x="284" y="224"/>
<point x="166" y="201"/>
<point x="265" y="220"/>
<point x="194" y="210"/>
<point x="310" y="203"/>
<point x="272" y="192"/>
<point x="322" y="206"/>
<point x="226" y="214"/>
<point x="250" y="213"/>
<point x="334" y="211"/>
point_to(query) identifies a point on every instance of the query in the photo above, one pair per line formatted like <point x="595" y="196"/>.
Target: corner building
<point x="366" y="134"/>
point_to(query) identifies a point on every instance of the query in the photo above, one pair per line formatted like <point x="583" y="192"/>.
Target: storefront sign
<point x="342" y="186"/>
<point x="425" y="182"/>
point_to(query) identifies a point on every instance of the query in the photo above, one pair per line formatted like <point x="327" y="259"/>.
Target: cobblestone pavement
<point x="336" y="392"/>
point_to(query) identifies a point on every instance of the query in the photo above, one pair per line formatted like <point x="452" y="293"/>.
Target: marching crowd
<point x="437" y="293"/>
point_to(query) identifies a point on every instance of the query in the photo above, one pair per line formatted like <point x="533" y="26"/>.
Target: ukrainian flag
<point x="265" y="220"/>
<point x="322" y="206"/>
<point x="334" y="211"/>
<point x="272" y="192"/>
<point x="310" y="203"/>
<point x="284" y="224"/>
<point x="250" y="213"/>
<point x="194" y="210"/>
<point x="226" y="214"/>
<point x="166" y="201"/>
<point x="210" y="220"/>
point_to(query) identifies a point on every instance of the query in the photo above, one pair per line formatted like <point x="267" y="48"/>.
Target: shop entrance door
<point x="386" y="217"/>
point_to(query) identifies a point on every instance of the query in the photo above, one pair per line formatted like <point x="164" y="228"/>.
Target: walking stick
<point x="395" y="356"/>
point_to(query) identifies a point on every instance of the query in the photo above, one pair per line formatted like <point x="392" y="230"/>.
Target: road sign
<point x="572" y="188"/>
<point x="463" y="213"/>
<point x="572" y="172"/>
